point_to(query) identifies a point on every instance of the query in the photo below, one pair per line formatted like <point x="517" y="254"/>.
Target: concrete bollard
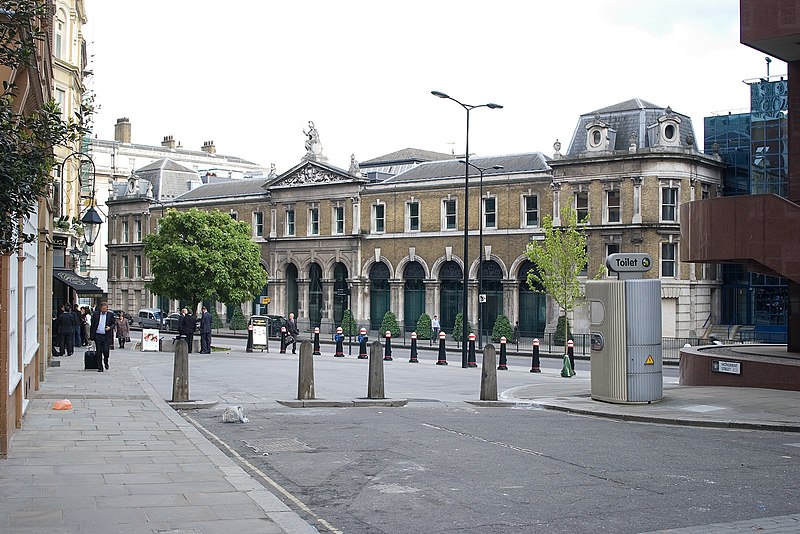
<point x="305" y="375"/>
<point x="362" y="344"/>
<point x="316" y="342"/>
<point x="489" y="374"/>
<point x="283" y="340"/>
<point x="387" y="355"/>
<point x="442" y="350"/>
<point x="471" y="361"/>
<point x="503" y="355"/>
<point x="375" y="388"/>
<point x="571" y="354"/>
<point x="339" y="339"/>
<point x="180" y="372"/>
<point x="413" y="358"/>
<point x="535" y="359"/>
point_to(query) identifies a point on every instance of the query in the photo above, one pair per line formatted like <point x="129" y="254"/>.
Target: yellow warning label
<point x="649" y="360"/>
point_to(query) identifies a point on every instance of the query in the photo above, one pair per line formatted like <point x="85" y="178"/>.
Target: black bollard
<point x="571" y="354"/>
<point x="339" y="339"/>
<point x="503" y="366"/>
<point x="442" y="350"/>
<point x="316" y="342"/>
<point x="387" y="354"/>
<point x="249" y="347"/>
<point x="413" y="358"/>
<point x="535" y="361"/>
<point x="471" y="362"/>
<point x="362" y="344"/>
<point x="283" y="340"/>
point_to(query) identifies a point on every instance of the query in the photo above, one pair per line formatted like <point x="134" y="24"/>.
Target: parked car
<point x="172" y="320"/>
<point x="275" y="324"/>
<point x="151" y="318"/>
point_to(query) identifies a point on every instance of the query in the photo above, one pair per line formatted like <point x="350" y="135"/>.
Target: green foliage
<point x="349" y="326"/>
<point x="502" y="327"/>
<point x="216" y="322"/>
<point x="198" y="255"/>
<point x="389" y="323"/>
<point x="563" y="326"/>
<point x="237" y="322"/>
<point x="424" y="329"/>
<point x="458" y="328"/>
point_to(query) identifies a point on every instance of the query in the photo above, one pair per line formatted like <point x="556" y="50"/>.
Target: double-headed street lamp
<point x="481" y="170"/>
<point x="465" y="313"/>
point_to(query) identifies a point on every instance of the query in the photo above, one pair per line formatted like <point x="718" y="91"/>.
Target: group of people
<point x="72" y="328"/>
<point x="188" y="324"/>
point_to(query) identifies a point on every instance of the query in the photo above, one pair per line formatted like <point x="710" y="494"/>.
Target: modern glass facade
<point x="754" y="147"/>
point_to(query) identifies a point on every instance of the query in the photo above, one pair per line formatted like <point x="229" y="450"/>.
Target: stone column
<point x="396" y="301"/>
<point x="431" y="297"/>
<point x="301" y="315"/>
<point x="326" y="325"/>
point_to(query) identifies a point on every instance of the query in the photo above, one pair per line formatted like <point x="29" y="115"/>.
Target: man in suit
<point x="291" y="327"/>
<point x="65" y="328"/>
<point x="101" y="331"/>
<point x="186" y="327"/>
<point x="205" y="332"/>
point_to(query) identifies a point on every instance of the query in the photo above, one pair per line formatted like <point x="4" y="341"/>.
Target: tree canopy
<point x="200" y="255"/>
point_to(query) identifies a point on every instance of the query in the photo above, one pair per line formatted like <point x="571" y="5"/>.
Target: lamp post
<point x="465" y="313"/>
<point x="91" y="219"/>
<point x="481" y="170"/>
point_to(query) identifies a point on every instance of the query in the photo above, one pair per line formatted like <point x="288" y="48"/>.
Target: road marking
<point x="300" y="504"/>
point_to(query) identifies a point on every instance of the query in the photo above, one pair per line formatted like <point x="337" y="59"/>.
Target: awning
<point x="83" y="286"/>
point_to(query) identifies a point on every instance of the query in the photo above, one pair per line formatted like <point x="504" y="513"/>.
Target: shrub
<point x="349" y="327"/>
<point x="458" y="328"/>
<point x="216" y="322"/>
<point x="563" y="325"/>
<point x="389" y="323"/>
<point x="424" y="330"/>
<point x="238" y="321"/>
<point x="502" y="327"/>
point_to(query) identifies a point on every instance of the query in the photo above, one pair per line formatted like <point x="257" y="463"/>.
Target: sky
<point x="249" y="74"/>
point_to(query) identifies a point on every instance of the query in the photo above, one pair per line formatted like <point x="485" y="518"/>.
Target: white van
<point x="151" y="318"/>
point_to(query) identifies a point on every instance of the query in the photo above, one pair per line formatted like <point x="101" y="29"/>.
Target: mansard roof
<point x="225" y="189"/>
<point x="452" y="168"/>
<point x="407" y="155"/>
<point x="169" y="178"/>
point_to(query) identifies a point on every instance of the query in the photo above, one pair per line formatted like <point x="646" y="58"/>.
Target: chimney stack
<point x="122" y="130"/>
<point x="168" y="142"/>
<point x="209" y="148"/>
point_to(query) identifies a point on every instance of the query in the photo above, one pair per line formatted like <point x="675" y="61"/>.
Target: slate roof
<point x="632" y="116"/>
<point x="169" y="178"/>
<point x="231" y="188"/>
<point x="452" y="168"/>
<point x="407" y="155"/>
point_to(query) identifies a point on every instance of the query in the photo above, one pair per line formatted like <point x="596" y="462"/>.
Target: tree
<point x="237" y="322"/>
<point x="216" y="322"/>
<point x="200" y="255"/>
<point x="559" y="259"/>
<point x="389" y="323"/>
<point x="424" y="329"/>
<point x="349" y="326"/>
<point x="458" y="329"/>
<point x="27" y="139"/>
<point x="502" y="328"/>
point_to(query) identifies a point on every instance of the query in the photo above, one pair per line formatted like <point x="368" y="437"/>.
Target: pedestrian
<point x="101" y="332"/>
<point x="65" y="327"/>
<point x="515" y="336"/>
<point x="123" y="330"/>
<point x="436" y="326"/>
<point x="76" y="311"/>
<point x="87" y="323"/>
<point x="205" y="331"/>
<point x="186" y="327"/>
<point x="291" y="327"/>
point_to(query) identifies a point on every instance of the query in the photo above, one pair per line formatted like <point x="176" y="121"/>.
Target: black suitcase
<point x="90" y="360"/>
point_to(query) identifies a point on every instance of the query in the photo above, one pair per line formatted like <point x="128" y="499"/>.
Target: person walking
<point x="186" y="327"/>
<point x="101" y="332"/>
<point x="65" y="327"/>
<point x="76" y="311"/>
<point x="291" y="327"/>
<point x="435" y="326"/>
<point x="205" y="331"/>
<point x="123" y="330"/>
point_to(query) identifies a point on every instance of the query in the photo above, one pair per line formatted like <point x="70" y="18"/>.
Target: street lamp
<point x="91" y="219"/>
<point x="481" y="170"/>
<point x="465" y="313"/>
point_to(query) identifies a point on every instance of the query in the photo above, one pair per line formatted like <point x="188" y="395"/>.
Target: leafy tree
<point x="216" y="322"/>
<point x="199" y="255"/>
<point x="349" y="326"/>
<point x="389" y="323"/>
<point x="559" y="259"/>
<point x="502" y="328"/>
<point x="237" y="322"/>
<point x="424" y="329"/>
<point x="27" y="138"/>
<point x="458" y="329"/>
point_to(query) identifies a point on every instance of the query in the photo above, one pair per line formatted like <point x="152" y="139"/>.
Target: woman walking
<point x="123" y="331"/>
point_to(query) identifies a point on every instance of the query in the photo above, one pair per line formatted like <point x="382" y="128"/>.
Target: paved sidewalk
<point x="123" y="461"/>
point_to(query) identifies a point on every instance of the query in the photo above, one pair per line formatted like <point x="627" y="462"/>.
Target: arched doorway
<point x="258" y="308"/>
<point x="315" y="295"/>
<point x="378" y="294"/>
<point x="450" y="294"/>
<point x="291" y="290"/>
<point x="340" y="300"/>
<point x="413" y="294"/>
<point x="492" y="287"/>
<point x="532" y="305"/>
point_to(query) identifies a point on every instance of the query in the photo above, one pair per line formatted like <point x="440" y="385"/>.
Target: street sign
<point x="720" y="366"/>
<point x="482" y="298"/>
<point x="265" y="300"/>
<point x="629" y="262"/>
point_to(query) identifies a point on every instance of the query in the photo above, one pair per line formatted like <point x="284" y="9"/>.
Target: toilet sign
<point x="629" y="265"/>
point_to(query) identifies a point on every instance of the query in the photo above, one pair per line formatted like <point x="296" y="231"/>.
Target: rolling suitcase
<point x="90" y="358"/>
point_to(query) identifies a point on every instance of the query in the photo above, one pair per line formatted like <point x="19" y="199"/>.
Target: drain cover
<point x="271" y="445"/>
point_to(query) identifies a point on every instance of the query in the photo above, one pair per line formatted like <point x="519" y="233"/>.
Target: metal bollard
<point x="316" y="341"/>
<point x="387" y="355"/>
<point x="503" y="366"/>
<point x="442" y="350"/>
<point x="339" y="339"/>
<point x="413" y="358"/>
<point x="535" y="360"/>
<point x="471" y="362"/>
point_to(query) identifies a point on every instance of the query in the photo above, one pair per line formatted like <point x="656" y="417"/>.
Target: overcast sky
<point x="250" y="74"/>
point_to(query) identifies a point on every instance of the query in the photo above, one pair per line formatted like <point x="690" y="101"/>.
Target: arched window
<point x="315" y="295"/>
<point x="413" y="294"/>
<point x="378" y="294"/>
<point x="291" y="289"/>
<point x="59" y="35"/>
<point x="450" y="295"/>
<point x="532" y="305"/>
<point x="340" y="295"/>
<point x="492" y="287"/>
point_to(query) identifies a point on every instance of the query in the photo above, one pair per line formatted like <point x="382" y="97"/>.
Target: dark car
<point x="275" y="324"/>
<point x="172" y="320"/>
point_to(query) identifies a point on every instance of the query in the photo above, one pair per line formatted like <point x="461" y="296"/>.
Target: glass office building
<point x="754" y="147"/>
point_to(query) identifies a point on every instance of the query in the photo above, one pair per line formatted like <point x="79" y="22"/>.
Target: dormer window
<point x="668" y="128"/>
<point x="599" y="136"/>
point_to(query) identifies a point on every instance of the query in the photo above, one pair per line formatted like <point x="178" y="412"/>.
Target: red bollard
<point x="471" y="362"/>
<point x="442" y="350"/>
<point x="316" y="342"/>
<point x="571" y="354"/>
<point x="283" y="340"/>
<point x="362" y="344"/>
<point x="503" y="366"/>
<point x="339" y="339"/>
<point x="387" y="353"/>
<point x="413" y="358"/>
<point x="535" y="361"/>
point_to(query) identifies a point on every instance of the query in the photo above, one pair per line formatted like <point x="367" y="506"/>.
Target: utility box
<point x="625" y="328"/>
